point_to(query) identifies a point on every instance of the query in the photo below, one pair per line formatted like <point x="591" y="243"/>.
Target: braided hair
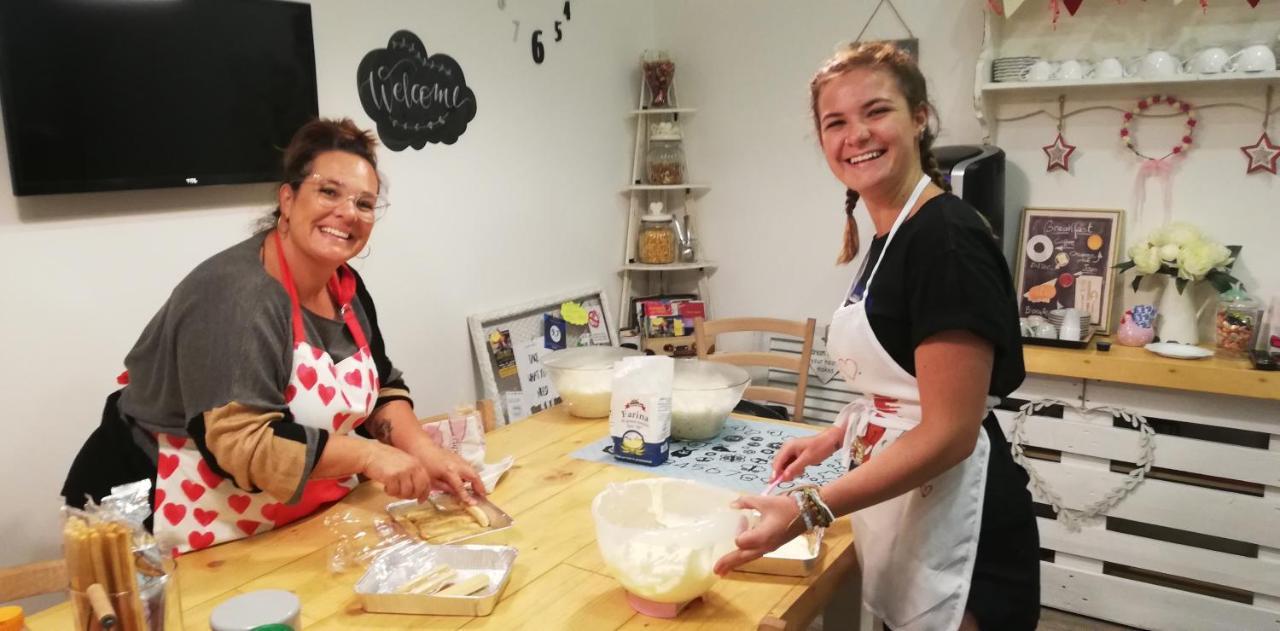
<point x="886" y="57"/>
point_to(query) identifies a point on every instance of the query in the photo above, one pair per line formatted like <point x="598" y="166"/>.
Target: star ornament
<point x="1262" y="155"/>
<point x="1059" y="154"/>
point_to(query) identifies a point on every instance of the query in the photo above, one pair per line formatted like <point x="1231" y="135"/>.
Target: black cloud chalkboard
<point x="414" y="98"/>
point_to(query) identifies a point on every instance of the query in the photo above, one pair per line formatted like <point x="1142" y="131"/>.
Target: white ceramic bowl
<point x="584" y="377"/>
<point x="661" y="537"/>
<point x="702" y="396"/>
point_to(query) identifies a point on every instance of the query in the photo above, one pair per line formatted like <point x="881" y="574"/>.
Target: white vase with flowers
<point x="1183" y="255"/>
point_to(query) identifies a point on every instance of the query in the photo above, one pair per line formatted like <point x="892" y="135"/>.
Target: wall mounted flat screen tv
<point x="128" y="94"/>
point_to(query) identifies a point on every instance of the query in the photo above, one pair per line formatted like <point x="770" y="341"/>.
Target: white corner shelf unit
<point x="639" y="194"/>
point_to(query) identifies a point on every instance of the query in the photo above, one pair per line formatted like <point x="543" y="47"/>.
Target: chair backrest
<point x="484" y="406"/>
<point x="32" y="579"/>
<point x="705" y="333"/>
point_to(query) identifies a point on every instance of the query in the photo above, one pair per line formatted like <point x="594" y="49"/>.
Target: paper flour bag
<point x="640" y="414"/>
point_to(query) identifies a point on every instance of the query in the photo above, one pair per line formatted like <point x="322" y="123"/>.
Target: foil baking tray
<point x="442" y="519"/>
<point x="798" y="557"/>
<point x="378" y="587"/>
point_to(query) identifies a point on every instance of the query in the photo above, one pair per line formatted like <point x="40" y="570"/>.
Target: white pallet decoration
<point x="1088" y="444"/>
<point x="1228" y="507"/>
<point x="1144" y="605"/>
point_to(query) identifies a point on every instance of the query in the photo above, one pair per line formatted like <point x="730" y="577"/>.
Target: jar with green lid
<point x="1238" y="321"/>
<point x="656" y="241"/>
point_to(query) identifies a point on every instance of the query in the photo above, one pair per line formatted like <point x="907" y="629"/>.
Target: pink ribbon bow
<point x="1162" y="170"/>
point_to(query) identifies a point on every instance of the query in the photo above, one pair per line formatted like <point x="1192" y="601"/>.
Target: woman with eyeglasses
<point x="243" y="391"/>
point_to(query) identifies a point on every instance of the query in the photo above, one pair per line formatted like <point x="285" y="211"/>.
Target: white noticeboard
<point x="509" y="345"/>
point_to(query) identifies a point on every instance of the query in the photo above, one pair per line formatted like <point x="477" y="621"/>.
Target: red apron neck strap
<point x="342" y="288"/>
<point x="286" y="277"/>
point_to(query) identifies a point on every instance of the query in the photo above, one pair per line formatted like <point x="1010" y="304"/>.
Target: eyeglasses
<point x="331" y="193"/>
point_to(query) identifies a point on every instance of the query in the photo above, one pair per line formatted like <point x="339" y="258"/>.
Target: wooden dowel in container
<point x="103" y="613"/>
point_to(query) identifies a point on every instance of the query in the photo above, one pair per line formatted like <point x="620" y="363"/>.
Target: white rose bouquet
<point x="1181" y="250"/>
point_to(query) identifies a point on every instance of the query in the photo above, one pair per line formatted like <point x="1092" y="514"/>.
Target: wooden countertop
<point x="559" y="580"/>
<point x="1127" y="364"/>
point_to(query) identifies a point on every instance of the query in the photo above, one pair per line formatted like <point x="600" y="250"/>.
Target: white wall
<point x="526" y="204"/>
<point x="774" y="216"/>
<point x="1210" y="187"/>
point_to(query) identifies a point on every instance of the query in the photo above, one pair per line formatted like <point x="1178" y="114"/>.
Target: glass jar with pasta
<point x="656" y="243"/>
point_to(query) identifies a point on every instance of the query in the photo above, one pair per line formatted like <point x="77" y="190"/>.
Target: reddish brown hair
<point x="884" y="57"/>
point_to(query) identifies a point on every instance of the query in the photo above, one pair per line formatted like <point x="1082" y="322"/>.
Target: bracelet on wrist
<point x="804" y="511"/>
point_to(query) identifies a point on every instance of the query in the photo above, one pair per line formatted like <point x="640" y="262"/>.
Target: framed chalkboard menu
<point x="1065" y="259"/>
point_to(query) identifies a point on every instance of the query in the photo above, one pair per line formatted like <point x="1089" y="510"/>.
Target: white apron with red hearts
<point x="916" y="550"/>
<point x="195" y="507"/>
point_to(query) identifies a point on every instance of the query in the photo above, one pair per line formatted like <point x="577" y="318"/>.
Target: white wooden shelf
<point x="675" y="196"/>
<point x="668" y="187"/>
<point x="1177" y="81"/>
<point x="670" y="267"/>
<point x="658" y="111"/>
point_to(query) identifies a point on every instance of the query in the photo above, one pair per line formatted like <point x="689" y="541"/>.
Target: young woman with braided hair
<point x="942" y="518"/>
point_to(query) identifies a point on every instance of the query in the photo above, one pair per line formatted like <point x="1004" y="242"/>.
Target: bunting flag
<point x="1006" y="8"/>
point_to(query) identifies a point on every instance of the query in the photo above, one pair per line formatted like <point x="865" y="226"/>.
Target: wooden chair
<point x="705" y="333"/>
<point x="32" y="579"/>
<point x="487" y="417"/>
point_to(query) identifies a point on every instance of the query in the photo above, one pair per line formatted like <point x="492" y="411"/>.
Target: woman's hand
<point x="445" y="469"/>
<point x="448" y="471"/>
<point x="799" y="453"/>
<point x="779" y="523"/>
<point x="401" y="475"/>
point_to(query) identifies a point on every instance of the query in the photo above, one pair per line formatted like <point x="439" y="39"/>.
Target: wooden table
<point x="559" y="580"/>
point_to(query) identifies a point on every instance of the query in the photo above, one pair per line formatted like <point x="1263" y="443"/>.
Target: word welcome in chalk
<point x="414" y="97"/>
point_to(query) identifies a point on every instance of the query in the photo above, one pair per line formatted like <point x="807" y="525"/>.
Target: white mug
<point x="1210" y="60"/>
<point x="1040" y="71"/>
<point x="1109" y="68"/>
<point x="1070" y="329"/>
<point x="1158" y="64"/>
<point x="1072" y="70"/>
<point x="1256" y="58"/>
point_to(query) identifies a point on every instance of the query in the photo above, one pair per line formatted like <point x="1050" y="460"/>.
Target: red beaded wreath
<point x="1126" y="135"/>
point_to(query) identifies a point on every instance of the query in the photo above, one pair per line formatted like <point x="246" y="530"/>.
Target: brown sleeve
<point x="392" y="392"/>
<point x="257" y="450"/>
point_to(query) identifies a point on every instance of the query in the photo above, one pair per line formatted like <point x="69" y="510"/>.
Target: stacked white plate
<point x="1007" y="69"/>
<point x="1055" y="317"/>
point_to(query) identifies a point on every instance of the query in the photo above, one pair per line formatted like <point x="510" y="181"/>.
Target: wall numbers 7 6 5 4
<point x="537" y="48"/>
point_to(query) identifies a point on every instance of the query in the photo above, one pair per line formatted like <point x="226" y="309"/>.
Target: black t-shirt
<point x="944" y="271"/>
